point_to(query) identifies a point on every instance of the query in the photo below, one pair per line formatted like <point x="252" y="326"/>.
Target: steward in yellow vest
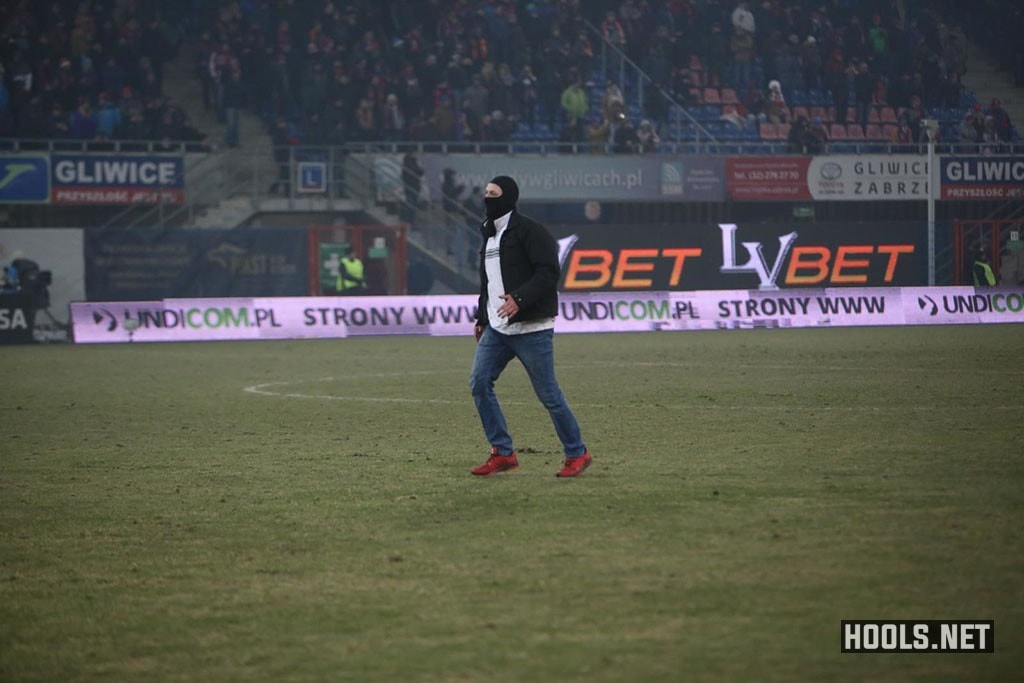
<point x="350" y="275"/>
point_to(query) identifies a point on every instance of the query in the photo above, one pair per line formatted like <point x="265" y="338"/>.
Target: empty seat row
<point x="876" y="114"/>
<point x="873" y="132"/>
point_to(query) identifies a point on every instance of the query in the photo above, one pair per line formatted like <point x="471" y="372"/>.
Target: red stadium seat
<point x="712" y="96"/>
<point x="769" y="131"/>
<point x="887" y="115"/>
<point x="822" y="113"/>
<point x="837" y="131"/>
<point x="854" y="132"/>
<point x="729" y="96"/>
<point x="874" y="132"/>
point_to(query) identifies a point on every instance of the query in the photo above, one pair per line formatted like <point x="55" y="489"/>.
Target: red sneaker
<point x="574" y="466"/>
<point x="496" y="463"/>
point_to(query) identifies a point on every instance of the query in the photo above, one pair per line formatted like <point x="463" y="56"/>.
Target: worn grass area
<point x="159" y="522"/>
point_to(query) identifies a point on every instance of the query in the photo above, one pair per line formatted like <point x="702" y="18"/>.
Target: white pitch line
<point x="262" y="390"/>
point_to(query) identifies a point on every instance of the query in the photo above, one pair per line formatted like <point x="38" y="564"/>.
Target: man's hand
<point x="478" y="331"/>
<point x="509" y="308"/>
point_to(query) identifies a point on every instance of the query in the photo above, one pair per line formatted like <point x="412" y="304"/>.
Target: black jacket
<point x="529" y="270"/>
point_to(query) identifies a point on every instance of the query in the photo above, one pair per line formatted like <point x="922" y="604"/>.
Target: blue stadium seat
<point x="522" y="132"/>
<point x="683" y="133"/>
<point x="750" y="133"/>
<point x="709" y="112"/>
<point x="542" y="132"/>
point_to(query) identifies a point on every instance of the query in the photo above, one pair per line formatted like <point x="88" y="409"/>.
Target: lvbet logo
<point x="793" y="265"/>
<point x="809" y="265"/>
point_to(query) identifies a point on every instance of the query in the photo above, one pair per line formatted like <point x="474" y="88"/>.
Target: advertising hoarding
<point x="868" y="177"/>
<point x="340" y="317"/>
<point x="767" y="179"/>
<point x="24" y="178"/>
<point x="556" y="178"/>
<point x="982" y="177"/>
<point x="670" y="177"/>
<point x="17" y="319"/>
<point x="117" y="179"/>
<point x="156" y="264"/>
<point x="727" y="256"/>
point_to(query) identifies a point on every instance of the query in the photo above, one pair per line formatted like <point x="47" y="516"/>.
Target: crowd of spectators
<point x="852" y="57"/>
<point x="335" y="71"/>
<point x="379" y="70"/>
<point x="986" y="129"/>
<point x="477" y="70"/>
<point x="88" y="70"/>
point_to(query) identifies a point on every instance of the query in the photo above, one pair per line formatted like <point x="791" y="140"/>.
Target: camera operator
<point x="24" y="290"/>
<point x="9" y="280"/>
<point x="32" y="281"/>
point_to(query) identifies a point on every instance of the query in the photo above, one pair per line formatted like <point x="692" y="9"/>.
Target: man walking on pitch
<point x="516" y="319"/>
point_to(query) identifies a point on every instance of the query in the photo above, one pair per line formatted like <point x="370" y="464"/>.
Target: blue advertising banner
<point x="982" y="177"/>
<point x="24" y="179"/>
<point x="150" y="264"/>
<point x="118" y="179"/>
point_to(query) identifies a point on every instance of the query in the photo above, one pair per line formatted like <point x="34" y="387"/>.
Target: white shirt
<point x="496" y="287"/>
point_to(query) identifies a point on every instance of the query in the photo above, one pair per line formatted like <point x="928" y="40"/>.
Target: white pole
<point x="932" y="175"/>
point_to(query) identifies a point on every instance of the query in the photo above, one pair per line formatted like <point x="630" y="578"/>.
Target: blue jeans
<point x="536" y="352"/>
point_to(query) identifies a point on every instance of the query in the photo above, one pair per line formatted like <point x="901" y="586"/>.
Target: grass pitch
<point x="303" y="511"/>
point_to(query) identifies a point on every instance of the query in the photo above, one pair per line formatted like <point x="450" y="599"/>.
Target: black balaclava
<point x="499" y="206"/>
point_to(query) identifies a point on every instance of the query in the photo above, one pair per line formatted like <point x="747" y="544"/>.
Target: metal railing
<point x="21" y="145"/>
<point x="163" y="212"/>
<point x="611" y="52"/>
<point x="444" y="230"/>
<point x="724" y="147"/>
<point x="729" y="145"/>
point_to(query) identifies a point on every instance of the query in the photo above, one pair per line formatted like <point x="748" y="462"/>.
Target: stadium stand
<point x="459" y="70"/>
<point x="80" y="72"/>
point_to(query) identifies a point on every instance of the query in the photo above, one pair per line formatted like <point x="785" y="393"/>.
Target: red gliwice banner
<point x="767" y="178"/>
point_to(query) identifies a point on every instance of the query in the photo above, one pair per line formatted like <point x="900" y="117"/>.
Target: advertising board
<point x="982" y="177"/>
<point x="726" y="256"/>
<point x="155" y="264"/>
<point x="24" y="178"/>
<point x="117" y="179"/>
<point x="340" y="317"/>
